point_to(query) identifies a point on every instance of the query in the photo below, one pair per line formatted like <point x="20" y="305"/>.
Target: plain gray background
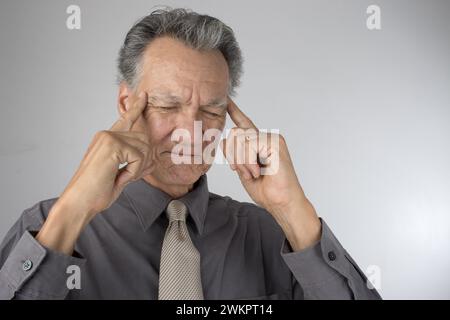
<point x="365" y="114"/>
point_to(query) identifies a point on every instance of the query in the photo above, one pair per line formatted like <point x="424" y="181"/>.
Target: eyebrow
<point x="169" y="98"/>
<point x="173" y="99"/>
<point x="222" y="103"/>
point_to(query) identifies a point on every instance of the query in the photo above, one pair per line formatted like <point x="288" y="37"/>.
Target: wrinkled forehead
<point x="175" y="69"/>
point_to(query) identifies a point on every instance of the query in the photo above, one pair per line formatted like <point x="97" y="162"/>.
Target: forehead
<point x="171" y="67"/>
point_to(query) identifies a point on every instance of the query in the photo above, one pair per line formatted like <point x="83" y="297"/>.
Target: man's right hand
<point x="98" y="180"/>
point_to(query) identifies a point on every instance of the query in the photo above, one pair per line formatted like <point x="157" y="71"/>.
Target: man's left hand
<point x="265" y="169"/>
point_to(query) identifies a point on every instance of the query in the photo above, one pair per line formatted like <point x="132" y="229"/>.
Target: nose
<point x="191" y="124"/>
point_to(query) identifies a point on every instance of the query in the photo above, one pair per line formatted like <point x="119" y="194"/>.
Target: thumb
<point x="123" y="178"/>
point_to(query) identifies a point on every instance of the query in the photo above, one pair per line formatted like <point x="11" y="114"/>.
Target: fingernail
<point x="141" y="94"/>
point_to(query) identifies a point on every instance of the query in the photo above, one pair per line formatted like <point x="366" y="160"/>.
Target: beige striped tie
<point x="179" y="272"/>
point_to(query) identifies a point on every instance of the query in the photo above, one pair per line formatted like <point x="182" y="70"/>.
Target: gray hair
<point x="197" y="31"/>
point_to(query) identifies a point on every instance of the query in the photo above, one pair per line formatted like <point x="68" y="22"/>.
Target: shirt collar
<point x="149" y="202"/>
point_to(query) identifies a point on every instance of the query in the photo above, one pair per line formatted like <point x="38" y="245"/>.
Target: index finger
<point x="238" y="117"/>
<point x="126" y="121"/>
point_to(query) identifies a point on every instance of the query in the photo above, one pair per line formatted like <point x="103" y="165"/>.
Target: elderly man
<point x="136" y="223"/>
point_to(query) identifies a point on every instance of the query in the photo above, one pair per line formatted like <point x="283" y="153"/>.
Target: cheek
<point x="158" y="128"/>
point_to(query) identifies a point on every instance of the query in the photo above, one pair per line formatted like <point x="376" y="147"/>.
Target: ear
<point x="124" y="95"/>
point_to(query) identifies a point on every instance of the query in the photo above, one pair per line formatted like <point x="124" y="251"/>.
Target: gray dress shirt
<point x="244" y="253"/>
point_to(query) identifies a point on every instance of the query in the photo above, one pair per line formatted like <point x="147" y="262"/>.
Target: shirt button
<point x="27" y="265"/>
<point x="332" y="255"/>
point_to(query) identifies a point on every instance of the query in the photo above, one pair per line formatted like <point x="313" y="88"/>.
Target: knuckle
<point x="235" y="130"/>
<point x="100" y="134"/>
<point x="251" y="131"/>
<point x="105" y="137"/>
<point x="143" y="136"/>
<point x="109" y="138"/>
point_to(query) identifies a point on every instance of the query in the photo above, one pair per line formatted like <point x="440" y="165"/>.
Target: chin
<point x="184" y="174"/>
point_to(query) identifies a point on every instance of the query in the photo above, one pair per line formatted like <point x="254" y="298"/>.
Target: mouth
<point x="170" y="153"/>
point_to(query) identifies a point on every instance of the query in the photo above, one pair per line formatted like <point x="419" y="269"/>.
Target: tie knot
<point x="176" y="210"/>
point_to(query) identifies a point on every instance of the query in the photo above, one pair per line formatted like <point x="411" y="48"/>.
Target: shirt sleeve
<point x="326" y="270"/>
<point x="29" y="270"/>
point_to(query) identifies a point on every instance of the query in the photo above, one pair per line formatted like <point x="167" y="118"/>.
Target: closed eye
<point x="167" y="108"/>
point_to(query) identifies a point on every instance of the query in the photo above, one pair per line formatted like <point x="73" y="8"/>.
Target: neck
<point x="174" y="190"/>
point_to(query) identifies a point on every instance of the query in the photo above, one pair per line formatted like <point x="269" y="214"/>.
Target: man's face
<point x="183" y="85"/>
